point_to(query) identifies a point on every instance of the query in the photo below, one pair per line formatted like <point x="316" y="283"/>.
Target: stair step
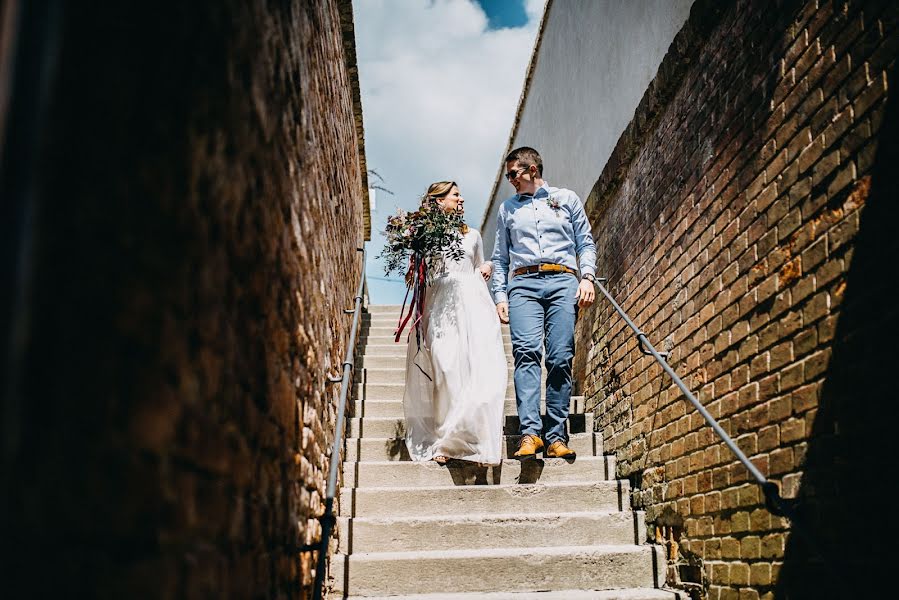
<point x="461" y="532"/>
<point x="378" y="392"/>
<point x="393" y="361"/>
<point x="385" y="328"/>
<point x="396" y="427"/>
<point x="381" y="309"/>
<point x="510" y="569"/>
<point x="384" y="348"/>
<point x="620" y="594"/>
<point x="484" y="499"/>
<point x="394" y="448"/>
<point x="394" y="318"/>
<point x="386" y="400"/>
<point x="394" y="408"/>
<point x="379" y="342"/>
<point x="410" y="474"/>
<point x="397" y="374"/>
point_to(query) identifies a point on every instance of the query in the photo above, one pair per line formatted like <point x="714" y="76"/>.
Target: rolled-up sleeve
<point x="583" y="238"/>
<point x="500" y="258"/>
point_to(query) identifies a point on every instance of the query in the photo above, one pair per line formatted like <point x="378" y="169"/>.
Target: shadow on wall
<point x="843" y="497"/>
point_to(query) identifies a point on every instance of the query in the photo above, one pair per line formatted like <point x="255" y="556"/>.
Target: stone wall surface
<point x="194" y="246"/>
<point x="744" y="221"/>
<point x="591" y="62"/>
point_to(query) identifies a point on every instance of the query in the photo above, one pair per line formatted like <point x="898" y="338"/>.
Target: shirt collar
<point x="542" y="192"/>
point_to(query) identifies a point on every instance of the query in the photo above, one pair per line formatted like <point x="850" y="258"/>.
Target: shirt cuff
<point x="500" y="297"/>
<point x="588" y="271"/>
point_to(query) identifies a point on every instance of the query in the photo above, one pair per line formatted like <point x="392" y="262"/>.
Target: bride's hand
<point x="486" y="270"/>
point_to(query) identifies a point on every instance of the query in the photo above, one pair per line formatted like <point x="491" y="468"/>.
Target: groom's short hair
<point x="526" y="156"/>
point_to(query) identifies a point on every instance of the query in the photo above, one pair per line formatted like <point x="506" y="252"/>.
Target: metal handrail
<point x="328" y="519"/>
<point x="773" y="500"/>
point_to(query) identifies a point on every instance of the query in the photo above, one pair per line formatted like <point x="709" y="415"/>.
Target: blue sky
<point x="504" y="13"/>
<point x="440" y="82"/>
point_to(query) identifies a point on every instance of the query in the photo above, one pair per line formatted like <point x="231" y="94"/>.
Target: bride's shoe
<point x="441" y="460"/>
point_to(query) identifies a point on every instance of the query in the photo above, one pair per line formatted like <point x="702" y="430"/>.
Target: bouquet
<point x="416" y="241"/>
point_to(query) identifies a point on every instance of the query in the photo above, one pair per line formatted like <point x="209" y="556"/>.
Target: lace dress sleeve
<point x="478" y="255"/>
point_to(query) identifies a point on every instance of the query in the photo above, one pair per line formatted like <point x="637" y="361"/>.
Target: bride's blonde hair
<point x="439" y="190"/>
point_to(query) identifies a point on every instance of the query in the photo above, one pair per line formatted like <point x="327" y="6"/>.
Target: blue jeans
<point x="543" y="306"/>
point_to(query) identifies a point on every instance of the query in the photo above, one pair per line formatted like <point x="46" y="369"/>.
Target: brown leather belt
<point x="544" y="268"/>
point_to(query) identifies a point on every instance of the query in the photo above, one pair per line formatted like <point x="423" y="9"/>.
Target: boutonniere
<point x="553" y="203"/>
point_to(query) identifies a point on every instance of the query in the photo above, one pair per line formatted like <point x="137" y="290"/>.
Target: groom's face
<point x="522" y="177"/>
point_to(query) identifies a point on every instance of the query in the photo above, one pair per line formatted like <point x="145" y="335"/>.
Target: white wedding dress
<point x="456" y="379"/>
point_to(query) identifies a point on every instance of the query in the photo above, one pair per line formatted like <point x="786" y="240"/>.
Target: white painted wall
<point x="595" y="61"/>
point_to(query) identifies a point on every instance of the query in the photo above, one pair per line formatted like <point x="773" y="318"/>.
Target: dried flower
<point x="429" y="233"/>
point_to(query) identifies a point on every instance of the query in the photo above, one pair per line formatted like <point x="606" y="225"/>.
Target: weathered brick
<point x="815" y="254"/>
<point x="730" y="548"/>
<point x="181" y="335"/>
<point x="739" y="574"/>
<point x="817" y="307"/>
<point x="761" y="245"/>
<point x="750" y="547"/>
<point x="816" y="364"/>
<point x="760" y="574"/>
<point x="772" y="546"/>
<point x="780" y="355"/>
<point x="768" y="438"/>
<point x="805" y="342"/>
<point x="781" y="461"/>
<point x="810" y="154"/>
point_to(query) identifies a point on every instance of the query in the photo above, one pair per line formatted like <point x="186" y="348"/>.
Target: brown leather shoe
<point x="529" y="446"/>
<point x="559" y="449"/>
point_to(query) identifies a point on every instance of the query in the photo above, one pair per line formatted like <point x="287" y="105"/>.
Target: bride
<point x="456" y="379"/>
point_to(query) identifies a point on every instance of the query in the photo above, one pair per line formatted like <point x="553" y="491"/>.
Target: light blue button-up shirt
<point x="550" y="227"/>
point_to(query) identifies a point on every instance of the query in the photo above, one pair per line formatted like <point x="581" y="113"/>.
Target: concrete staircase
<point x="537" y="528"/>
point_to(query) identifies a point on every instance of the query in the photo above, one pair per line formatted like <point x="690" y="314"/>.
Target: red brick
<point x="745" y="257"/>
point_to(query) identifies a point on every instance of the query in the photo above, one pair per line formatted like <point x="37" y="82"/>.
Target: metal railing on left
<point x="328" y="519"/>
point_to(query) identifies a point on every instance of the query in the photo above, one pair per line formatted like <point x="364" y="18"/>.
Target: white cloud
<point x="439" y="94"/>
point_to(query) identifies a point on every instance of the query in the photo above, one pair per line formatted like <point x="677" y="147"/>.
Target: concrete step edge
<point x="506" y="462"/>
<point x="614" y="594"/>
<point x="424" y="555"/>
<point x="481" y="517"/>
<point x="623" y="484"/>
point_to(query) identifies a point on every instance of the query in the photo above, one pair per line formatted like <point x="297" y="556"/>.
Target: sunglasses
<point x="514" y="174"/>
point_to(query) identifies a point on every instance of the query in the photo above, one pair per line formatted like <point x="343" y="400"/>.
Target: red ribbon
<point x="418" y="287"/>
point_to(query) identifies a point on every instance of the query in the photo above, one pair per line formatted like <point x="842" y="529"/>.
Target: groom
<point x="543" y="239"/>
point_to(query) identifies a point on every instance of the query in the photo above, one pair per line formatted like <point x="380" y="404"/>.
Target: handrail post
<point x="328" y="519"/>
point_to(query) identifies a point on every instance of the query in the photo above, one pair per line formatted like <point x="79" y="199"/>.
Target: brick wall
<point x="744" y="223"/>
<point x="194" y="245"/>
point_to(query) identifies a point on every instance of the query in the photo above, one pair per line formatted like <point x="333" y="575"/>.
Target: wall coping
<point x="348" y="31"/>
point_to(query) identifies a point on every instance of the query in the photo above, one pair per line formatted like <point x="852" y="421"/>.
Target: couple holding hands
<point x="542" y="269"/>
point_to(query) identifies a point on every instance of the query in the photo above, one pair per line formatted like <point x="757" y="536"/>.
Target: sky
<point x="440" y="83"/>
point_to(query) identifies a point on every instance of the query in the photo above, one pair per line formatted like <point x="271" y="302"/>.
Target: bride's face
<point x="452" y="201"/>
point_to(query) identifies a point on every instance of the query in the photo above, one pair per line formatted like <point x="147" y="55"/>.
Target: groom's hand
<point x="502" y="309"/>
<point x="586" y="293"/>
